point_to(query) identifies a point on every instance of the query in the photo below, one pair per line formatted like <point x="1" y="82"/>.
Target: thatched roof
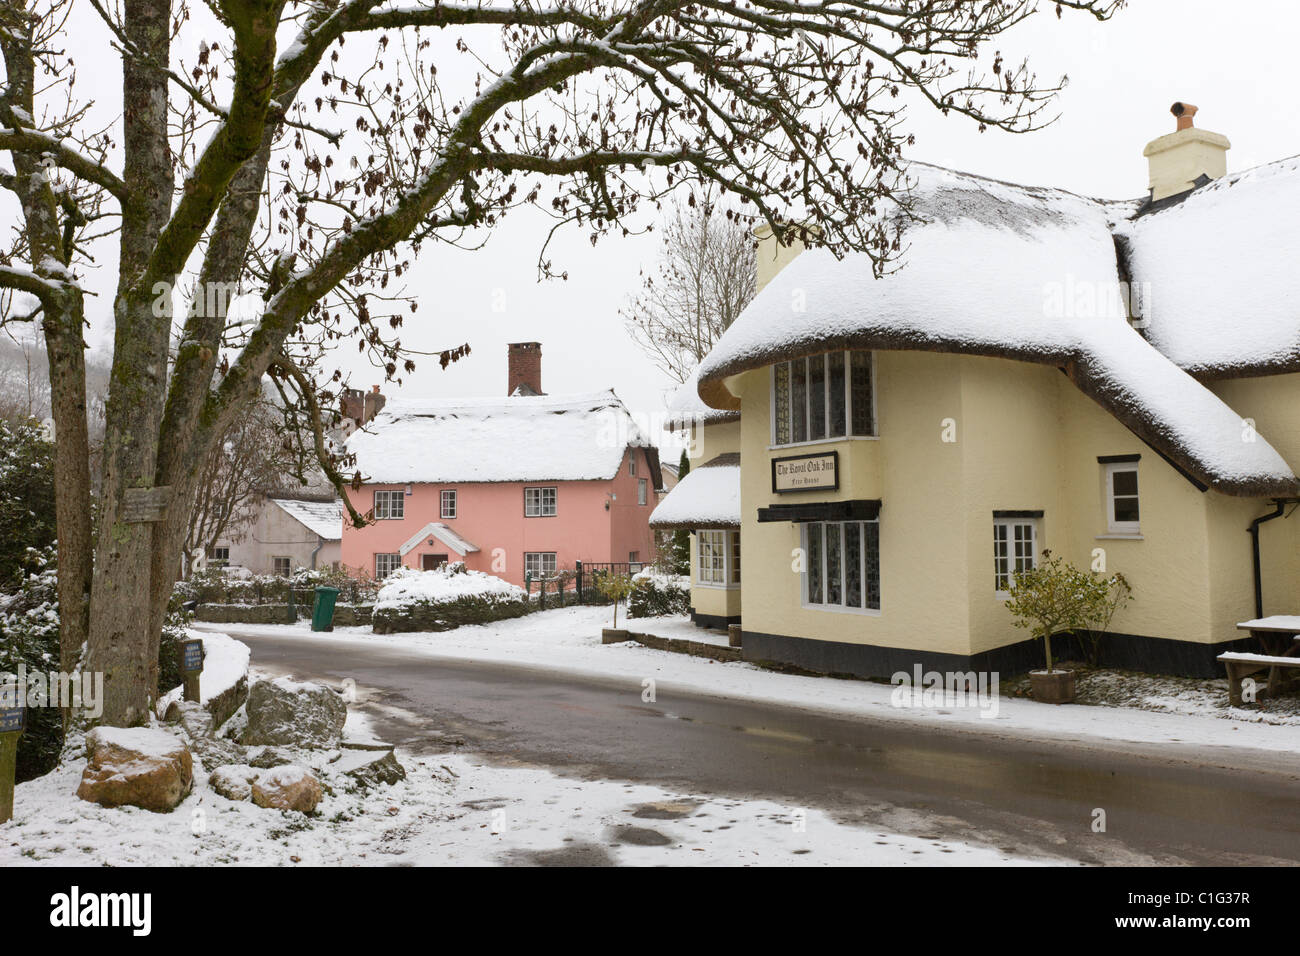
<point x="686" y="408"/>
<point x="1011" y="272"/>
<point x="708" y="497"/>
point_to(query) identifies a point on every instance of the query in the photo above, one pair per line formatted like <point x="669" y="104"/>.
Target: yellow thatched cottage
<point x="1115" y="381"/>
<point x="707" y="503"/>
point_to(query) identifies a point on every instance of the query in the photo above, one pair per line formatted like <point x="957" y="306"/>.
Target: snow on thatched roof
<point x="686" y="408"/>
<point x="708" y="497"/>
<point x="519" y="438"/>
<point x="322" y="518"/>
<point x="1001" y="270"/>
<point x="1218" y="266"/>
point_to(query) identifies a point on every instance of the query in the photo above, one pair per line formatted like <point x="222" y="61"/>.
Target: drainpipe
<point x="1279" y="505"/>
<point x="320" y="543"/>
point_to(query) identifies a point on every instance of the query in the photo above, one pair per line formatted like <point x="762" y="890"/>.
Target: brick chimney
<point x="525" y="368"/>
<point x="361" y="406"/>
<point x="1186" y="158"/>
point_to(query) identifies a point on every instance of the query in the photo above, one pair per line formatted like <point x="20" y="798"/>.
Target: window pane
<point x="853" y="564"/>
<point x="860" y="378"/>
<point x="735" y="557"/>
<point x="1001" y="564"/>
<point x="814" y="564"/>
<point x="1126" y="509"/>
<point x="799" y="400"/>
<point x="1124" y="482"/>
<point x="835" y="393"/>
<point x="816" y="397"/>
<point x="781" y="402"/>
<point x="1024" y="534"/>
<point x="834" y="581"/>
<point x="871" y="531"/>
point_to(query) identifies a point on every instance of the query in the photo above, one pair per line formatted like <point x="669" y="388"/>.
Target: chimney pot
<point x="1185" y="113"/>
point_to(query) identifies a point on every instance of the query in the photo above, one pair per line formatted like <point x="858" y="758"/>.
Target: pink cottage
<point x="528" y="483"/>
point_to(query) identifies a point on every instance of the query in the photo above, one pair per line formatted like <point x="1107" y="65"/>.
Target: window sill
<point x="841" y="609"/>
<point x="823" y="441"/>
<point x="1118" y="536"/>
<point x="717" y="587"/>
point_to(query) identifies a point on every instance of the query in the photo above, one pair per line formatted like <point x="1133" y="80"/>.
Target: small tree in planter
<point x="616" y="587"/>
<point x="1054" y="598"/>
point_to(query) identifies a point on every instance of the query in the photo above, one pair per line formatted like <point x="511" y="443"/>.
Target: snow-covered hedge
<point x="448" y="597"/>
<point x="655" y="593"/>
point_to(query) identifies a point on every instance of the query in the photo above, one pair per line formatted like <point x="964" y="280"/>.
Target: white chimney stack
<point x="1177" y="160"/>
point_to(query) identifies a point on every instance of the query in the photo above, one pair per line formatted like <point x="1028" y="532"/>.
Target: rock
<point x="136" y="766"/>
<point x="370" y="768"/>
<point x="287" y="788"/>
<point x="285" y="713"/>
<point x="213" y="752"/>
<point x="234" y="781"/>
<point x="194" y="718"/>
<point x="269" y="757"/>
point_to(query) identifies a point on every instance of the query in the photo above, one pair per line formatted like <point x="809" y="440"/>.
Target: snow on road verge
<point x="453" y="811"/>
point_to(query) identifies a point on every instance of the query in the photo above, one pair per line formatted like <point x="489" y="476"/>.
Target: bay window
<point x="842" y="568"/>
<point x="823" y="397"/>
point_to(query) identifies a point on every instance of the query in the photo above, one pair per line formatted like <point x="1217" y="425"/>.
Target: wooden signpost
<point x="13" y="721"/>
<point x="192" y="667"/>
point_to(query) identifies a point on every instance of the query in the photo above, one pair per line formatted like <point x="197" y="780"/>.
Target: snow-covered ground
<point x="568" y="639"/>
<point x="451" y="810"/>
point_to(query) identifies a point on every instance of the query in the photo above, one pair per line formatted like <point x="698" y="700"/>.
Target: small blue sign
<point x="192" y="656"/>
<point x="13" y="719"/>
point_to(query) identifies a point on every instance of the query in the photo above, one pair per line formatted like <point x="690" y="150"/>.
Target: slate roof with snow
<point x="322" y="518"/>
<point x="708" y="497"/>
<point x="992" y="270"/>
<point x="519" y="438"/>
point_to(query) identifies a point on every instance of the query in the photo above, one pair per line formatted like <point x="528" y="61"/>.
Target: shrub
<point x="1056" y="598"/>
<point x="26" y="497"/>
<point x="446" y="598"/>
<point x="655" y="594"/>
<point x="29" y="635"/>
<point x="615" y="587"/>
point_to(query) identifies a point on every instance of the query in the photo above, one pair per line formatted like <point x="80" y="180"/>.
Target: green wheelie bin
<point x="322" y="612"/>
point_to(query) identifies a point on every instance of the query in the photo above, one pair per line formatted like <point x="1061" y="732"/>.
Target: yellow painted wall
<point x="1027" y="439"/>
<point x="704" y="443"/>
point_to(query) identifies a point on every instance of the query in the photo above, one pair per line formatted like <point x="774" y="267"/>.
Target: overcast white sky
<point x="1123" y="77"/>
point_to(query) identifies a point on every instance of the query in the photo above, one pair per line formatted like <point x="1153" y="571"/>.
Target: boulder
<point x="214" y="752"/>
<point x="136" y="766"/>
<point x="234" y="781"/>
<point x="287" y="788"/>
<point x="369" y="768"/>
<point x="268" y="757"/>
<point x="193" y="717"/>
<point x="288" y="713"/>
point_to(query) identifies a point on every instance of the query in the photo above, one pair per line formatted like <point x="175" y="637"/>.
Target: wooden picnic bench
<point x="1241" y="665"/>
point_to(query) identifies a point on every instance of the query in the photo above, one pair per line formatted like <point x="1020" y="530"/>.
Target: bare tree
<point x="704" y="280"/>
<point x="315" y="171"/>
<point x="253" y="459"/>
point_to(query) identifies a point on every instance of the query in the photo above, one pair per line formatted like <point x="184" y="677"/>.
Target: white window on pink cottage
<point x="386" y="564"/>
<point x="389" y="505"/>
<point x="448" y="503"/>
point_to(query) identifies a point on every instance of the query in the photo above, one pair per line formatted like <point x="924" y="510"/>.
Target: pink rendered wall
<point x="491" y="516"/>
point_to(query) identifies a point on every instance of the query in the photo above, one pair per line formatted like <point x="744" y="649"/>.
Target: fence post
<point x="578" y="565"/>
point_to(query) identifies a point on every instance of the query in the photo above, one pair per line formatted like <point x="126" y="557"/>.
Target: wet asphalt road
<point x="1171" y="804"/>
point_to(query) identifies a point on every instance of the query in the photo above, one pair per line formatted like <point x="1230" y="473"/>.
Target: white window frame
<point x="1011" y="558"/>
<point x="848" y="404"/>
<point x="631" y="465"/>
<point x="536" y="507"/>
<point x="288" y="565"/>
<point x="1122" y="527"/>
<point x="542" y="570"/>
<point x="388" y="512"/>
<point x="840" y="608"/>
<point x="642" y="491"/>
<point x="726" y="574"/>
<point x="381" y="574"/>
<point x="448" y="496"/>
<point x="218" y="562"/>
